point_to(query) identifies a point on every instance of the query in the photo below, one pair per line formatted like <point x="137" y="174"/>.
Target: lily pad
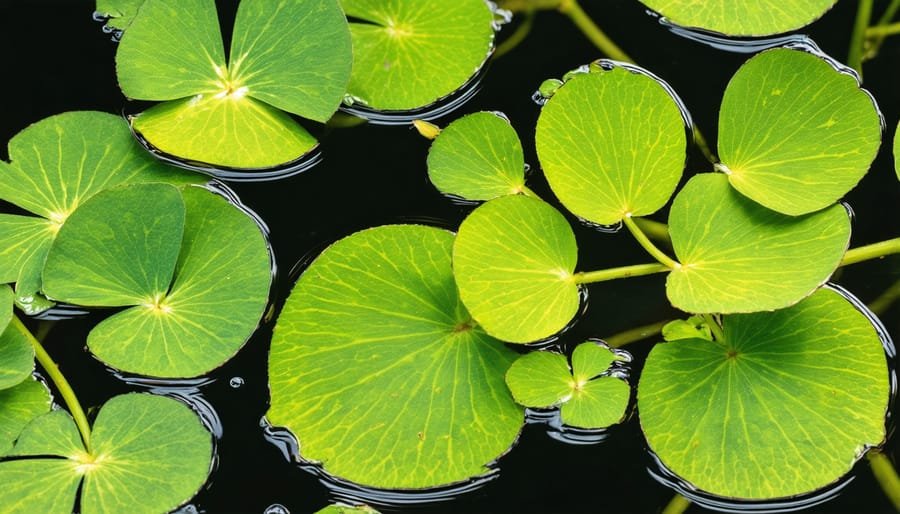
<point x="150" y="454"/>
<point x="746" y="257"/>
<point x="16" y="353"/>
<point x="177" y="327"/>
<point x="795" y="133"/>
<point x="18" y="406"/>
<point x="588" y="395"/>
<point x="380" y="372"/>
<point x="612" y="144"/>
<point x="408" y="55"/>
<point x="784" y="405"/>
<point x="288" y="58"/>
<point x="513" y="260"/>
<point x="477" y="157"/>
<point x="742" y="17"/>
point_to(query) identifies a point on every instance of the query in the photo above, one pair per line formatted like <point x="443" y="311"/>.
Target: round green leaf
<point x="233" y="132"/>
<point x="540" y="379"/>
<point x="477" y="157"/>
<point x="410" y="54"/>
<point x="219" y="294"/>
<point x="795" y="133"/>
<point x="783" y="406"/>
<point x="599" y="403"/>
<point x="119" y="248"/>
<point x="150" y="454"/>
<point x="18" y="406"/>
<point x="16" y="353"/>
<point x="513" y="260"/>
<point x="738" y="256"/>
<point x="742" y="17"/>
<point x="381" y="373"/>
<point x="612" y="144"/>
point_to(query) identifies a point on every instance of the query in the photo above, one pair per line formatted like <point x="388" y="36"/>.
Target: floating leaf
<point x="588" y="395"/>
<point x="18" y="406"/>
<point x="477" y="157"/>
<point x="742" y="17"/>
<point x="290" y="56"/>
<point x="513" y="260"/>
<point x="796" y="134"/>
<point x="784" y="405"/>
<point x="744" y="257"/>
<point x="381" y="373"/>
<point x="612" y="144"/>
<point x="150" y="454"/>
<point x="16" y="354"/>
<point x="410" y="54"/>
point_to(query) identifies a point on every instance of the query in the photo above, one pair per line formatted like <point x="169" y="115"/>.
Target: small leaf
<point x="410" y="54"/>
<point x="612" y="144"/>
<point x="513" y="260"/>
<point x="745" y="257"/>
<point x="477" y="157"/>
<point x="18" y="406"/>
<point x="540" y="379"/>
<point x="599" y="403"/>
<point x="796" y="134"/>
<point x="694" y="327"/>
<point x="785" y="405"/>
<point x="380" y="372"/>
<point x="742" y="17"/>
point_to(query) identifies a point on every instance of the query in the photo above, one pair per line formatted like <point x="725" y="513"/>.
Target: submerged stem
<point x="654" y="229"/>
<point x="886" y="475"/>
<point x="62" y="385"/>
<point x="590" y="29"/>
<point x="876" y="34"/>
<point x="635" y="334"/>
<point x="518" y="36"/>
<point x="677" y="505"/>
<point x="858" y="38"/>
<point x="645" y="242"/>
<point x="635" y="270"/>
<point x="871" y="251"/>
<point x="879" y="305"/>
<point x="881" y="31"/>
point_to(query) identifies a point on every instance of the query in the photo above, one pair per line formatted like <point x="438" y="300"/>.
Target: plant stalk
<point x="654" y="229"/>
<point x="62" y="385"/>
<point x="886" y="475"/>
<point x="635" y="270"/>
<point x="590" y="29"/>
<point x="645" y="242"/>
<point x="635" y="334"/>
<point x="518" y="36"/>
<point x="858" y="37"/>
<point x="871" y="251"/>
<point x="677" y="505"/>
<point x="876" y="34"/>
<point x="881" y="31"/>
<point x="714" y="327"/>
<point x="879" y="305"/>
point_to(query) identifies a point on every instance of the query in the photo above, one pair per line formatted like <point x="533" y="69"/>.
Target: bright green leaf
<point x="743" y="257"/>
<point x="6" y="305"/>
<point x="477" y="157"/>
<point x="599" y="403"/>
<point x="119" y="12"/>
<point x="611" y="144"/>
<point x="540" y="379"/>
<point x="513" y="260"/>
<point x="16" y="354"/>
<point x="380" y="372"/>
<point x="220" y="292"/>
<point x="410" y="54"/>
<point x="18" y="406"/>
<point x="796" y="134"/>
<point x="783" y="406"/>
<point x="119" y="248"/>
<point x="742" y="17"/>
<point x="694" y="327"/>
<point x="344" y="509"/>
<point x="23" y="240"/>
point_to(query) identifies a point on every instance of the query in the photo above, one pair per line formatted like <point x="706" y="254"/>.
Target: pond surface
<point x="55" y="58"/>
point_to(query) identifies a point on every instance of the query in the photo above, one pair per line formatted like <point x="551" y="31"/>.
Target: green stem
<point x="645" y="242"/>
<point x="635" y="270"/>
<point x="590" y="29"/>
<point x="883" y="30"/>
<point x="62" y="385"/>
<point x="654" y="229"/>
<point x="858" y="38"/>
<point x="879" y="305"/>
<point x="886" y="475"/>
<point x="889" y="13"/>
<point x="518" y="36"/>
<point x="635" y="334"/>
<point x="714" y="327"/>
<point x="875" y="35"/>
<point x="871" y="251"/>
<point x="677" y="505"/>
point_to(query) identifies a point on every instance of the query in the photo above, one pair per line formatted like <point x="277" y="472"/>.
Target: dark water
<point x="55" y="58"/>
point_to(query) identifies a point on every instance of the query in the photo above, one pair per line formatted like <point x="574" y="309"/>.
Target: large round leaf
<point x="119" y="248"/>
<point x="513" y="261"/>
<point x="742" y="17"/>
<point x="784" y="405"/>
<point x="738" y="256"/>
<point x="612" y="144"/>
<point x="219" y="294"/>
<point x="477" y="157"/>
<point x="381" y="373"/>
<point x="150" y="454"/>
<point x="410" y="54"/>
<point x="795" y="134"/>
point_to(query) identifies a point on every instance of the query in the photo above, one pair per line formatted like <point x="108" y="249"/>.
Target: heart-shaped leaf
<point x="477" y="157"/>
<point x="513" y="260"/>
<point x="290" y="56"/>
<point x="380" y="372"/>
<point x="410" y="54"/>
<point x="745" y="257"/>
<point x="795" y="133"/>
<point x="150" y="454"/>
<point x="18" y="406"/>
<point x="784" y="405"/>
<point x="742" y="17"/>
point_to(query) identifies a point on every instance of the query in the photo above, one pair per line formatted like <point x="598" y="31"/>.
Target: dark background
<point x="55" y="58"/>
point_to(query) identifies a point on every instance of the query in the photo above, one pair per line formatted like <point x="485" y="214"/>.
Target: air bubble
<point x="236" y="382"/>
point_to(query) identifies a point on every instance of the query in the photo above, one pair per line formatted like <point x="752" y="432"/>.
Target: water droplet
<point x="236" y="382"/>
